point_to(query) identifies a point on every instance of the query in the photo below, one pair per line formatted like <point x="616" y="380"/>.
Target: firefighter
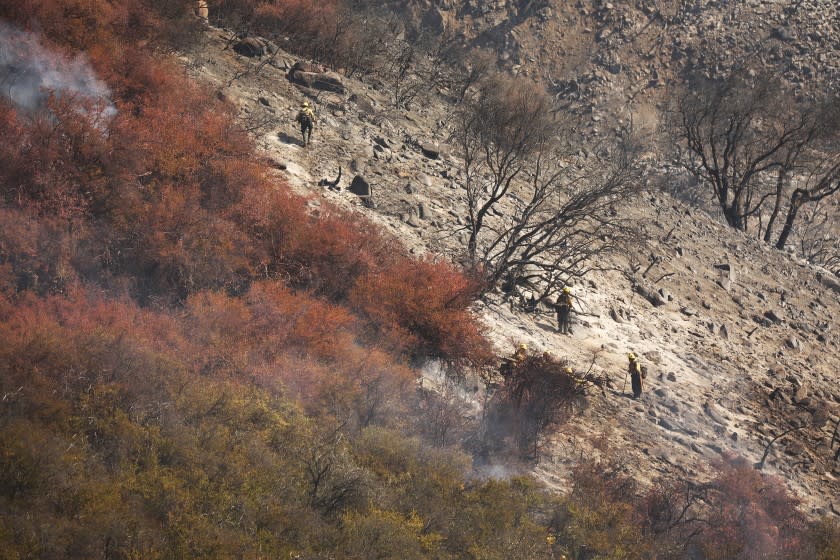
<point x="520" y="354"/>
<point x="508" y="364"/>
<point x="306" y="119"/>
<point x="634" y="368"/>
<point x="564" y="308"/>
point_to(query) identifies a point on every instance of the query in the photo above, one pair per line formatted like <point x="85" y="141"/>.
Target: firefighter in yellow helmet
<point x="520" y="354"/>
<point x="564" y="309"/>
<point x="306" y="119"/>
<point x="509" y="364"/>
<point x="634" y="368"/>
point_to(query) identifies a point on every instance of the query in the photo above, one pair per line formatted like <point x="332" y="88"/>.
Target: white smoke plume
<point x="29" y="73"/>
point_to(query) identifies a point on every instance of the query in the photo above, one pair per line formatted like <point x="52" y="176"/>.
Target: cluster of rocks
<point x="639" y="46"/>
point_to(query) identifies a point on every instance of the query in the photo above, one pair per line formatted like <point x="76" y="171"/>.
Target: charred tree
<point x="730" y="132"/>
<point x="540" y="206"/>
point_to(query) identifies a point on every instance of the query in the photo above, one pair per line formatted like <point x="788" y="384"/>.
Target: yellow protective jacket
<point x="306" y="112"/>
<point x="565" y="300"/>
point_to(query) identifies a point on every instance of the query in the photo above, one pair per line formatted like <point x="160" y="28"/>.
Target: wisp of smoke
<point x="29" y="73"/>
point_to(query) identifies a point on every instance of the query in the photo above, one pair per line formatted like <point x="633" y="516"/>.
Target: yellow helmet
<point x="523" y="346"/>
<point x="569" y="370"/>
<point x="567" y="290"/>
<point x="631" y="356"/>
<point x="305" y="104"/>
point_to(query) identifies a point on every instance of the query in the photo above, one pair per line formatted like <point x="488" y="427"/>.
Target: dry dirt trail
<point x="735" y="357"/>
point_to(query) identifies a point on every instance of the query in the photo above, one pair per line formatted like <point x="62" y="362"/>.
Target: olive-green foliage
<point x="598" y="518"/>
<point x="114" y="444"/>
<point x="826" y="539"/>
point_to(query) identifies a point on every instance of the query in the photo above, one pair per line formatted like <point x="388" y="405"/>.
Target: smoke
<point x="495" y="471"/>
<point x="29" y="73"/>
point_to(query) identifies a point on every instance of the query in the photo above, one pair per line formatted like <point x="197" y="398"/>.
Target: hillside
<point x="217" y="342"/>
<point x="715" y="356"/>
<point x="636" y="48"/>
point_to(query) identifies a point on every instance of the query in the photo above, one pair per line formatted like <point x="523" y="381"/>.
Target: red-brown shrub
<point x="78" y="24"/>
<point x="752" y="516"/>
<point x="53" y="162"/>
<point x="273" y="335"/>
<point x="166" y="199"/>
<point x="423" y="305"/>
<point x="324" y="253"/>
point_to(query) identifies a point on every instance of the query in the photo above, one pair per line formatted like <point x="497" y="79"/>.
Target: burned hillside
<point x="218" y="339"/>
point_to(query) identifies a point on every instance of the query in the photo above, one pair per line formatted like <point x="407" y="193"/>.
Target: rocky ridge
<point x="739" y="338"/>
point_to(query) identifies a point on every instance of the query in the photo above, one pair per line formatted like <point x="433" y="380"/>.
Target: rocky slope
<point x="641" y="44"/>
<point x="741" y="340"/>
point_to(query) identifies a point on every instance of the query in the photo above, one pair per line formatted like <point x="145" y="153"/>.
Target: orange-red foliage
<point x="165" y="199"/>
<point x="422" y="301"/>
<point x="307" y="23"/>
<point x="91" y="25"/>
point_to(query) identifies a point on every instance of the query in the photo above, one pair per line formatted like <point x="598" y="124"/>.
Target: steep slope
<point x="741" y="350"/>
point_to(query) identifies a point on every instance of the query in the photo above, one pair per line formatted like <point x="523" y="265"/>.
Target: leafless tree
<point x="753" y="143"/>
<point x="818" y="236"/>
<point x="538" y="210"/>
<point x="732" y="133"/>
<point x="358" y="37"/>
<point x="809" y="170"/>
<point x="402" y="73"/>
<point x="821" y="182"/>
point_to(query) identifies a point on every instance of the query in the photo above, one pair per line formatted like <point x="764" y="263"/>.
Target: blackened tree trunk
<point x="797" y="200"/>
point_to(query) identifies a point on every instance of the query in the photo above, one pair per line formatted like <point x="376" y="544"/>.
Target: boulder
<point x="726" y="275"/>
<point x="666" y="424"/>
<point x="822" y="414"/>
<point x="778" y="395"/>
<point x="651" y="295"/>
<point x="250" y="47"/>
<point x="782" y="33"/>
<point x="359" y="186"/>
<point x="795" y="448"/>
<point x="773" y="316"/>
<point x="653" y="356"/>
<point x="430" y="150"/>
<point x="307" y="67"/>
<point x="327" y="81"/>
<point x="713" y="412"/>
<point x="829" y="282"/>
<point x="363" y="104"/>
<point x="201" y="10"/>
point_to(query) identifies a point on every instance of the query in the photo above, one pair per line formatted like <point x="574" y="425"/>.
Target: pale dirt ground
<point x="706" y="394"/>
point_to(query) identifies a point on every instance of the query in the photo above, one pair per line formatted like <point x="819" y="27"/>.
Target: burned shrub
<point x="538" y="392"/>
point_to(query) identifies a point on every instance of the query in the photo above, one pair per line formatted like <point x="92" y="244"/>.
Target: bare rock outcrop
<point x="313" y="77"/>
